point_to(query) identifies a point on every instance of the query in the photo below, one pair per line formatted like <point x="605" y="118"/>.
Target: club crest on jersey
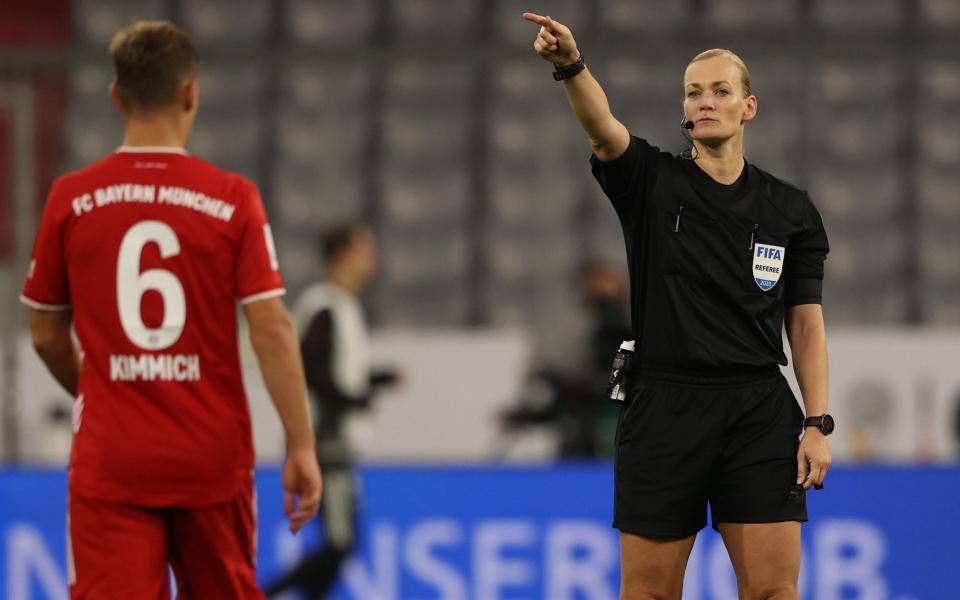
<point x="767" y="265"/>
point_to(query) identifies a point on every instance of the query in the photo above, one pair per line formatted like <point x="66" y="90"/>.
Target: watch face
<point x="827" y="424"/>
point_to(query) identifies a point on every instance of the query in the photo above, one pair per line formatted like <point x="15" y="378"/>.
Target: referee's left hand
<point x="813" y="458"/>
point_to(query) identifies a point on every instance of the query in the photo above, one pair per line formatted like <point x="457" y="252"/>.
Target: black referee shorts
<point x="683" y="441"/>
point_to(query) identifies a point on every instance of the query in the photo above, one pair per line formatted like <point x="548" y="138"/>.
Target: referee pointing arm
<point x="721" y="255"/>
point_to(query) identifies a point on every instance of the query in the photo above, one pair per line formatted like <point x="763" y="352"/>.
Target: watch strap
<point x="569" y="71"/>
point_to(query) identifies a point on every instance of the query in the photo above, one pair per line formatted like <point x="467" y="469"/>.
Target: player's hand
<point x="302" y="487"/>
<point x="555" y="42"/>
<point x="813" y="458"/>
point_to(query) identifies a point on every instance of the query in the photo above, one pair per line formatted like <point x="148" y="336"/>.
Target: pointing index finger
<point x="535" y="18"/>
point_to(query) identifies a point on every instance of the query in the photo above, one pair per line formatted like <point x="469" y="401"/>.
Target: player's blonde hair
<point x="151" y="60"/>
<point x="732" y="57"/>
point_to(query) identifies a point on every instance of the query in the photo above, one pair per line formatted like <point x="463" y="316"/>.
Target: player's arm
<point x="808" y="343"/>
<point x="50" y="330"/>
<point x="608" y="137"/>
<point x="274" y="341"/>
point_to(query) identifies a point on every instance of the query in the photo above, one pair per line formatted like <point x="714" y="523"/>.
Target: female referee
<point x="720" y="253"/>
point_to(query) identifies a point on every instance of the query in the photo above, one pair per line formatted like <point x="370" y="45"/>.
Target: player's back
<point x="156" y="247"/>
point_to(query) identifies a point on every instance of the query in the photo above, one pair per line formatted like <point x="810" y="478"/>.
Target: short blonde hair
<point x="151" y="59"/>
<point x="732" y="57"/>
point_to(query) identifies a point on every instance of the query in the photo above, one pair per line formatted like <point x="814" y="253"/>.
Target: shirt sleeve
<point x="624" y="178"/>
<point x="47" y="286"/>
<point x="258" y="271"/>
<point x="803" y="266"/>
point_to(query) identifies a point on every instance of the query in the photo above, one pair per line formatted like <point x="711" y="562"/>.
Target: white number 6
<point x="132" y="284"/>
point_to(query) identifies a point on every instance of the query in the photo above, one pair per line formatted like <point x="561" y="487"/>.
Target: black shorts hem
<point x="742" y="521"/>
<point x="658" y="531"/>
<point x="767" y="507"/>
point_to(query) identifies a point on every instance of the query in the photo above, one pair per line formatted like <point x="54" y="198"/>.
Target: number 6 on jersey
<point x="132" y="285"/>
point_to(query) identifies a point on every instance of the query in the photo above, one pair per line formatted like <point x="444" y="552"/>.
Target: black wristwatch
<point x="569" y="71"/>
<point x="824" y="423"/>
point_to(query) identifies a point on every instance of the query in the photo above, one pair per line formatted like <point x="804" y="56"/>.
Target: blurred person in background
<point x="708" y="416"/>
<point x="145" y="254"/>
<point x="572" y="402"/>
<point x="336" y="355"/>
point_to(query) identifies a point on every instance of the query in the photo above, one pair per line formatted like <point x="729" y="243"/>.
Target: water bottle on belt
<point x="620" y="373"/>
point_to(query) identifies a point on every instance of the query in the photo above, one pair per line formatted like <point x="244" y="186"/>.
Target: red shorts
<point x="123" y="551"/>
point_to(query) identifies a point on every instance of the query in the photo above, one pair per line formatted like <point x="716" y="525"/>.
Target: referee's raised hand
<point x="608" y="137"/>
<point x="555" y="42"/>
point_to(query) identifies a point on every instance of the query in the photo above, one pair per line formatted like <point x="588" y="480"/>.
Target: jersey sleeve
<point x="804" y="260"/>
<point x="258" y="271"/>
<point x="624" y="178"/>
<point x="47" y="286"/>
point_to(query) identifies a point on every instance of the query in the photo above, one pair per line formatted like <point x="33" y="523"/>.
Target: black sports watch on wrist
<point x="570" y="70"/>
<point x="823" y="422"/>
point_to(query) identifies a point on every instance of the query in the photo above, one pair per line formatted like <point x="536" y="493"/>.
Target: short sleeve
<point x="258" y="271"/>
<point x="624" y="178"/>
<point x="804" y="261"/>
<point x="47" y="286"/>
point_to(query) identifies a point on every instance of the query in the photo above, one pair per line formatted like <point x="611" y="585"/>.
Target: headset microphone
<point x="687" y="124"/>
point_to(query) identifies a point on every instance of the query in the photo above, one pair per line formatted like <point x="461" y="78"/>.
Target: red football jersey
<point x="151" y="248"/>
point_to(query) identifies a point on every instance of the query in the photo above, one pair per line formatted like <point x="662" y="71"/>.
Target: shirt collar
<point x="154" y="149"/>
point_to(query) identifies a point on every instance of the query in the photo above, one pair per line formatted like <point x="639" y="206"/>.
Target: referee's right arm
<point x="609" y="138"/>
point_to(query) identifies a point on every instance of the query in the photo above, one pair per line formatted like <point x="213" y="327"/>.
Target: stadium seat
<point x="855" y="134"/>
<point x="940" y="81"/>
<point x="96" y="21"/>
<point x="937" y="194"/>
<point x="943" y="15"/>
<point x="941" y="305"/>
<point x="940" y="255"/>
<point x="307" y="197"/>
<point x="657" y="18"/>
<point x="322" y="85"/>
<point x="91" y="135"/>
<point x="94" y="128"/>
<point x="864" y="197"/>
<point x="411" y="82"/>
<point x="422" y="198"/>
<point x="230" y="141"/>
<point x="838" y="81"/>
<point x="603" y="239"/>
<point x="454" y="20"/>
<point x="227" y="23"/>
<point x="423" y="306"/>
<point x="299" y="256"/>
<point x="437" y="132"/>
<point x="845" y="305"/>
<point x="859" y="14"/>
<point x="749" y="14"/>
<point x="331" y="22"/>
<point x="518" y="303"/>
<point x="512" y="28"/>
<point x="90" y="84"/>
<point x="940" y="137"/>
<point x="231" y="86"/>
<point x="859" y="256"/>
<point x="533" y="247"/>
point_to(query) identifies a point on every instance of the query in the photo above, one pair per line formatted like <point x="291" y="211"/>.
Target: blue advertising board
<point x="543" y="532"/>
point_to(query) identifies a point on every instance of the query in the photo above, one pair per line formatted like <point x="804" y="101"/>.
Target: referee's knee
<point x="649" y="590"/>
<point x="773" y="591"/>
<point x="626" y="594"/>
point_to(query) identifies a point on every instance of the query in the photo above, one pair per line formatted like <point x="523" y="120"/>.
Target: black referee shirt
<point x="712" y="266"/>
